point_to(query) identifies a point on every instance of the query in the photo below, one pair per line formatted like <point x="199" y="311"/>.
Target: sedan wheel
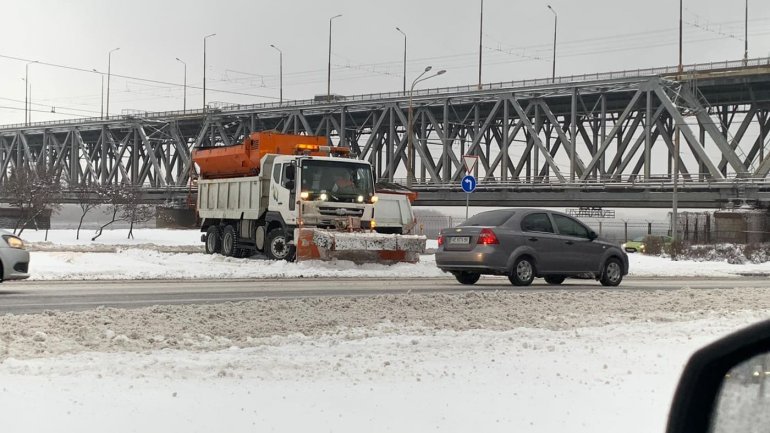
<point x="467" y="278"/>
<point x="523" y="272"/>
<point x="612" y="274"/>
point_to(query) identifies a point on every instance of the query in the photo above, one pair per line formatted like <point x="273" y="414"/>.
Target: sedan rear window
<point x="493" y="218"/>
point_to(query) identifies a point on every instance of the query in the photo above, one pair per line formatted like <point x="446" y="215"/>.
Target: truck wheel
<point x="229" y="242"/>
<point x="278" y="247"/>
<point x="212" y="240"/>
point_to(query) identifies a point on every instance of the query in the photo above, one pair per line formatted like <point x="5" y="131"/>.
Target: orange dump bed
<point x="243" y="159"/>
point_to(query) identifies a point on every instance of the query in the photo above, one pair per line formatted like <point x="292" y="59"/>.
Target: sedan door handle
<point x="532" y="239"/>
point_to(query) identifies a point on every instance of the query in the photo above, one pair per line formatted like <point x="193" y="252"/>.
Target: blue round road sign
<point x="468" y="183"/>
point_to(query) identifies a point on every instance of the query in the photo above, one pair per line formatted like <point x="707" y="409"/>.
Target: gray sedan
<point x="527" y="243"/>
<point x="14" y="258"/>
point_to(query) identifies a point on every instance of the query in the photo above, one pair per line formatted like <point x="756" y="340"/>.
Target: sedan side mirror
<point x="725" y="386"/>
<point x="592" y="235"/>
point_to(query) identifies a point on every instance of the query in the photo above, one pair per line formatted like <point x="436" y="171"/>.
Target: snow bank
<point x="134" y="263"/>
<point x="641" y="265"/>
<point x="158" y="254"/>
<point x="116" y="237"/>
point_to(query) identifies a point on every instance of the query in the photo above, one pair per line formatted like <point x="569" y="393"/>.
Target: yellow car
<point x="636" y="245"/>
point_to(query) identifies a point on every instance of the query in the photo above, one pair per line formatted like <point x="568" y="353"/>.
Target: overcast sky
<point x="367" y="53"/>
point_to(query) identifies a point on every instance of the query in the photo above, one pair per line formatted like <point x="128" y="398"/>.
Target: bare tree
<point x="125" y="204"/>
<point x="89" y="198"/>
<point x="136" y="212"/>
<point x="32" y="193"/>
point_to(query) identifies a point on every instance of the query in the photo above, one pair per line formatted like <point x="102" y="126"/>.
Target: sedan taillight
<point x="440" y="240"/>
<point x="487" y="237"/>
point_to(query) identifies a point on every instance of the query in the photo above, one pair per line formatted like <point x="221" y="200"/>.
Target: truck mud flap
<point x="358" y="247"/>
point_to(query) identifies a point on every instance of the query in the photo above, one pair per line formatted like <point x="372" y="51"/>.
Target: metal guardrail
<point x="562" y="80"/>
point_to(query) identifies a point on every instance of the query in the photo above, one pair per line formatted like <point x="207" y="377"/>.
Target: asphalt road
<point x="37" y="296"/>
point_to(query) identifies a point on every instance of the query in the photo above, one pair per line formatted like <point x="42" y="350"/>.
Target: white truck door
<point x="281" y="198"/>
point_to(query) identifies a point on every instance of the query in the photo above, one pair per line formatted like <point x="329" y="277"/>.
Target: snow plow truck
<point x="293" y="197"/>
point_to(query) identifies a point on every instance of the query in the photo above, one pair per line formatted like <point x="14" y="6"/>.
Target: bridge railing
<point x="562" y="80"/>
<point x="693" y="180"/>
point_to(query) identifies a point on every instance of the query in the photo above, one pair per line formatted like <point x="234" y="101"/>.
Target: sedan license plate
<point x="460" y="240"/>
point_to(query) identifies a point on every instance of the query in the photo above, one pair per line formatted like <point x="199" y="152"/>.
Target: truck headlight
<point x="304" y="195"/>
<point x="14" y="242"/>
<point x="374" y="199"/>
<point x="360" y="199"/>
<point x="323" y="196"/>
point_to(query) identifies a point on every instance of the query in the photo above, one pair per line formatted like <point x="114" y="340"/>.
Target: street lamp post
<point x="204" y="68"/>
<point x="184" y="103"/>
<point x="109" y="71"/>
<point x="402" y="32"/>
<point x="555" y="22"/>
<point x="409" y="125"/>
<point x="280" y="74"/>
<point x="746" y="36"/>
<point x="675" y="192"/>
<point x="481" y="34"/>
<point x="27" y="93"/>
<point x="101" y="112"/>
<point x="329" y="65"/>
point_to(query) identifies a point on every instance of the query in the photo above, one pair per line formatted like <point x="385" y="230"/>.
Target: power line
<point x="42" y="111"/>
<point x="147" y="80"/>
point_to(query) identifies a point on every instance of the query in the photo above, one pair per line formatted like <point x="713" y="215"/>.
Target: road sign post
<point x="468" y="184"/>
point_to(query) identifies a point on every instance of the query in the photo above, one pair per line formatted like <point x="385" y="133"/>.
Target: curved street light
<point x="555" y="21"/>
<point x="410" y="120"/>
<point x="329" y="65"/>
<point x="184" y="106"/>
<point x="403" y="33"/>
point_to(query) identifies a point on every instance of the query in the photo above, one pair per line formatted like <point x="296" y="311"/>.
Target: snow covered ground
<point x="397" y="379"/>
<point x="593" y="360"/>
<point x="172" y="254"/>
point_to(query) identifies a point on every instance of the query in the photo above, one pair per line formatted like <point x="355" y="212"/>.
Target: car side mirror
<point x="592" y="235"/>
<point x="725" y="386"/>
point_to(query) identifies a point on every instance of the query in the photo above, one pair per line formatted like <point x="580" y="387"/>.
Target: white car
<point x="14" y="258"/>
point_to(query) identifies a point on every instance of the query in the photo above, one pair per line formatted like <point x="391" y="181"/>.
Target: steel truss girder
<point x="530" y="136"/>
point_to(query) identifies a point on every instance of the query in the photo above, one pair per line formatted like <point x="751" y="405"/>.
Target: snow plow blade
<point x="358" y="247"/>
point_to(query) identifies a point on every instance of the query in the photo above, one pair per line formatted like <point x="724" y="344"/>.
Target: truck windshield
<point x="341" y="181"/>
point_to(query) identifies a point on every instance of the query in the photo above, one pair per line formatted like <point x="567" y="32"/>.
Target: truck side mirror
<point x="290" y="185"/>
<point x="290" y="172"/>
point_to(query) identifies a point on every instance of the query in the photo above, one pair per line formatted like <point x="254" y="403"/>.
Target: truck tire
<point x="229" y="241"/>
<point x="212" y="240"/>
<point x="277" y="246"/>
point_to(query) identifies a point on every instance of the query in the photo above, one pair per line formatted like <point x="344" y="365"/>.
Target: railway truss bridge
<point x="605" y="139"/>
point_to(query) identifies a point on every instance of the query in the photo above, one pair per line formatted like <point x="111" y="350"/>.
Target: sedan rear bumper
<point x="472" y="261"/>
